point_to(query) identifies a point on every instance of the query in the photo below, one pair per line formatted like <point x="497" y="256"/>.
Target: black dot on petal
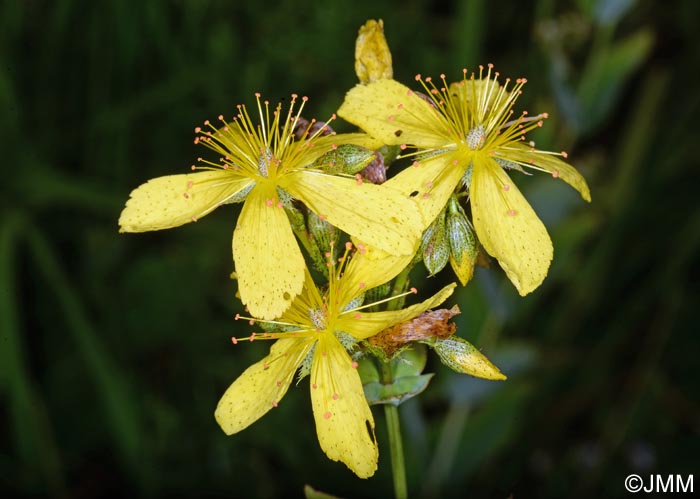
<point x="398" y="133"/>
<point x="286" y="296"/>
<point x="413" y="194"/>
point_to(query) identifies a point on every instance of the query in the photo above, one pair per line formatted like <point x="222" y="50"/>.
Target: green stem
<point x="398" y="466"/>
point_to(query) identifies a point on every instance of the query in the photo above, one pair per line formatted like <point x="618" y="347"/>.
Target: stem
<point x="398" y="466"/>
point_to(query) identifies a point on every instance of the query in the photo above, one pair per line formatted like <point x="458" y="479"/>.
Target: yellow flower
<point x="319" y="331"/>
<point x="465" y="133"/>
<point x="264" y="167"/>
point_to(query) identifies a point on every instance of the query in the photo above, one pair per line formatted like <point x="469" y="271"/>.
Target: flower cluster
<point x="300" y="182"/>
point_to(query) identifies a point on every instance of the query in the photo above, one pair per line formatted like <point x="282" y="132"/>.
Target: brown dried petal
<point x="430" y="324"/>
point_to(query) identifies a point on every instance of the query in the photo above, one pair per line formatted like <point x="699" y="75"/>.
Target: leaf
<point x="397" y="392"/>
<point x="602" y="83"/>
<point x="311" y="493"/>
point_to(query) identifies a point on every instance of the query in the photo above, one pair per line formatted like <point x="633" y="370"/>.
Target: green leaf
<point x="603" y="80"/>
<point x="398" y="391"/>
<point x="311" y="493"/>
<point x="395" y="381"/>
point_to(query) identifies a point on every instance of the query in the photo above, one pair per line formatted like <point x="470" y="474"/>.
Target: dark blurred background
<point x="114" y="349"/>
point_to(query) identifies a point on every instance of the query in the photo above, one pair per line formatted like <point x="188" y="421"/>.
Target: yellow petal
<point x="261" y="386"/>
<point x="269" y="264"/>
<point x="554" y="165"/>
<point x="507" y="227"/>
<point x="362" y="325"/>
<point x="393" y="113"/>
<point x="344" y="422"/>
<point x="372" y="55"/>
<point x="431" y="183"/>
<point x="165" y="202"/>
<point x="379" y="216"/>
<point x="369" y="268"/>
<point x="308" y="299"/>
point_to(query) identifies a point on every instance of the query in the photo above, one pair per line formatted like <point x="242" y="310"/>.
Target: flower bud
<point x="462" y="241"/>
<point x="372" y="55"/>
<point x="463" y="357"/>
<point x="322" y="232"/>
<point x="346" y="158"/>
<point x="296" y="218"/>
<point x="435" y="247"/>
<point x="304" y="128"/>
<point x="378" y="293"/>
<point x="375" y="171"/>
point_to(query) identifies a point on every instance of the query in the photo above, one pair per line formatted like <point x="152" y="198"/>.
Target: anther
<point x="555" y="174"/>
<point x="234" y="340"/>
<point x="336" y="396"/>
<point x="354" y="365"/>
<point x="327" y="415"/>
<point x="511" y="212"/>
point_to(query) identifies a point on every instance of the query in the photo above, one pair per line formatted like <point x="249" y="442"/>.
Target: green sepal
<point x="506" y="164"/>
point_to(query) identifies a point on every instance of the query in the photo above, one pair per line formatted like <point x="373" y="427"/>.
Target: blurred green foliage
<point x="114" y="349"/>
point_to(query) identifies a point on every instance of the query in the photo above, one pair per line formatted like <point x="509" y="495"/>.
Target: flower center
<point x="264" y="162"/>
<point x="318" y="318"/>
<point x="476" y="137"/>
